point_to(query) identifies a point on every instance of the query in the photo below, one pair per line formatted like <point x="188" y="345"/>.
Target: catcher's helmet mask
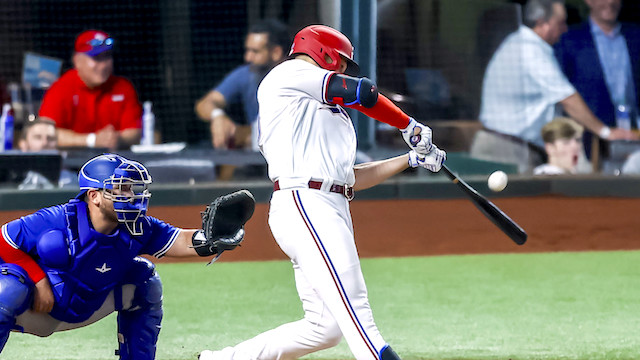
<point x="318" y="41"/>
<point x="124" y="182"/>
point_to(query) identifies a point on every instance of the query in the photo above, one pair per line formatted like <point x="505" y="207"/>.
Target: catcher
<point x="70" y="265"/>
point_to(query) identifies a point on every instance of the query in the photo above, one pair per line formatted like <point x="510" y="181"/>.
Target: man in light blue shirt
<point x="522" y="85"/>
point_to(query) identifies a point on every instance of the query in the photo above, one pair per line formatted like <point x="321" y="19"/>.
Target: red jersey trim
<point x="13" y="255"/>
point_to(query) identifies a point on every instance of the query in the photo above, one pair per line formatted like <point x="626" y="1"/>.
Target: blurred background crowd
<point x="76" y="76"/>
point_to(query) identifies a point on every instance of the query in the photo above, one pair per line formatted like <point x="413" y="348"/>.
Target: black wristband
<point x="201" y="245"/>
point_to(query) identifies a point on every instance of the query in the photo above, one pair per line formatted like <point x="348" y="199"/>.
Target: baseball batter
<point x="309" y="143"/>
<point x="70" y="265"/>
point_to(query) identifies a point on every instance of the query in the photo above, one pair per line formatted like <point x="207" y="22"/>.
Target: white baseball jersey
<point x="300" y="135"/>
<point x="303" y="138"/>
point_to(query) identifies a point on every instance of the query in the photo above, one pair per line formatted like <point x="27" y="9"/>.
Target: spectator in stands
<point x="522" y="85"/>
<point x="631" y="165"/>
<point x="40" y="135"/>
<point x="563" y="144"/>
<point x="266" y="44"/>
<point x="90" y="106"/>
<point x="601" y="58"/>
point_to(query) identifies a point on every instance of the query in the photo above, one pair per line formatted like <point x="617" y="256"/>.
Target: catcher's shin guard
<point x="15" y="296"/>
<point x="139" y="327"/>
<point x="387" y="353"/>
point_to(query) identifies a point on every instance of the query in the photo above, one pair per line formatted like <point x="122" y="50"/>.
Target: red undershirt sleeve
<point x="16" y="256"/>
<point x="385" y="111"/>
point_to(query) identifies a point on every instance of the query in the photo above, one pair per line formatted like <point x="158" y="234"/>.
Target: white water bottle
<point x="623" y="118"/>
<point x="6" y="128"/>
<point x="148" y="124"/>
<point x="16" y="101"/>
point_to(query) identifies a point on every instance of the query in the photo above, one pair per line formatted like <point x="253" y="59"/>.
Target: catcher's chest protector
<point x="97" y="264"/>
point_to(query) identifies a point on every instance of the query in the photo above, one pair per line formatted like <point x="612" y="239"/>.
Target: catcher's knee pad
<point x="15" y="296"/>
<point x="387" y="353"/>
<point x="139" y="327"/>
<point x="141" y="270"/>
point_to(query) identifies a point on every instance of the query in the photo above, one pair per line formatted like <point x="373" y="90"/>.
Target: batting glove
<point x="418" y="137"/>
<point x="432" y="161"/>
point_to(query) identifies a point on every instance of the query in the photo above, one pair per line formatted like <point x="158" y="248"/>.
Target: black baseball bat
<point x="490" y="210"/>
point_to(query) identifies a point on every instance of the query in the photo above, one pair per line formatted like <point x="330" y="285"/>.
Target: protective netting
<point x="172" y="51"/>
<point x="431" y="54"/>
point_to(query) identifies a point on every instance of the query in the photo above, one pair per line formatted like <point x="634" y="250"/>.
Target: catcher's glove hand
<point x="223" y="223"/>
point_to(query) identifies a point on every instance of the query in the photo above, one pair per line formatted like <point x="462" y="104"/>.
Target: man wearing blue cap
<point x="70" y="265"/>
<point x="90" y="106"/>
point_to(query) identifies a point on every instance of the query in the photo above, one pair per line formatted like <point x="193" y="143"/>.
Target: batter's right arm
<point x="373" y="173"/>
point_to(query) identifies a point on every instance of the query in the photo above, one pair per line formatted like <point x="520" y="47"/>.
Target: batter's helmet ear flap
<point x="353" y="69"/>
<point x="319" y="41"/>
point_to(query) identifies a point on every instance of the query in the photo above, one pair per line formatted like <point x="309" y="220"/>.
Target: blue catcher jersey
<point x="83" y="265"/>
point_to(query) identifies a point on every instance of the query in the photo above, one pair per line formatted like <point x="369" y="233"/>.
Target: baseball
<point x="498" y="181"/>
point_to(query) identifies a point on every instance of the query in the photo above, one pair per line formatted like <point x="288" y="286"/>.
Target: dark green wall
<point x="434" y="187"/>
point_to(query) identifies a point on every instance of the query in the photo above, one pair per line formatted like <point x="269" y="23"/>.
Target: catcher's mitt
<point x="223" y="223"/>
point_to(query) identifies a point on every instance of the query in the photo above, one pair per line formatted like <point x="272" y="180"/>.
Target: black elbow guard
<point x="352" y="90"/>
<point x="367" y="93"/>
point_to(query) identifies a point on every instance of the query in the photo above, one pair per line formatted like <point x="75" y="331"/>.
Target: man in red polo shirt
<point x="91" y="106"/>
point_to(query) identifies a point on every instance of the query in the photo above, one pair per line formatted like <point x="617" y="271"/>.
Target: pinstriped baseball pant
<point x="314" y="229"/>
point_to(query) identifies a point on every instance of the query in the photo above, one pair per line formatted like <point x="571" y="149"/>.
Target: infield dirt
<point x="389" y="228"/>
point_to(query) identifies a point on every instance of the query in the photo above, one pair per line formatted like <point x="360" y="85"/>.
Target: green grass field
<point x="520" y="306"/>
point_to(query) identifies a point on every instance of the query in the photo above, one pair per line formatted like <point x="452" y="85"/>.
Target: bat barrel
<point x="490" y="210"/>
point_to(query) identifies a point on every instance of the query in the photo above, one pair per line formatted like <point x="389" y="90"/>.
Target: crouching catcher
<point x="70" y="265"/>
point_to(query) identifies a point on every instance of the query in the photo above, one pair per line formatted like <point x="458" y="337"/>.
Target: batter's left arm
<point x="373" y="173"/>
<point x="362" y="94"/>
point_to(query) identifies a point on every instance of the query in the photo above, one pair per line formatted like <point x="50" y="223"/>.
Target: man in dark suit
<point x="601" y="58"/>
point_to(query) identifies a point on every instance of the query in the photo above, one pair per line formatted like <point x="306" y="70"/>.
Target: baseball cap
<point x="93" y="42"/>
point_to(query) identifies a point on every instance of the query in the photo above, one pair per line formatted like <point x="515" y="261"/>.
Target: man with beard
<point x="265" y="46"/>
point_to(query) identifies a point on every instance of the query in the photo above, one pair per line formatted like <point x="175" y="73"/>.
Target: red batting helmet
<point x="320" y="40"/>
